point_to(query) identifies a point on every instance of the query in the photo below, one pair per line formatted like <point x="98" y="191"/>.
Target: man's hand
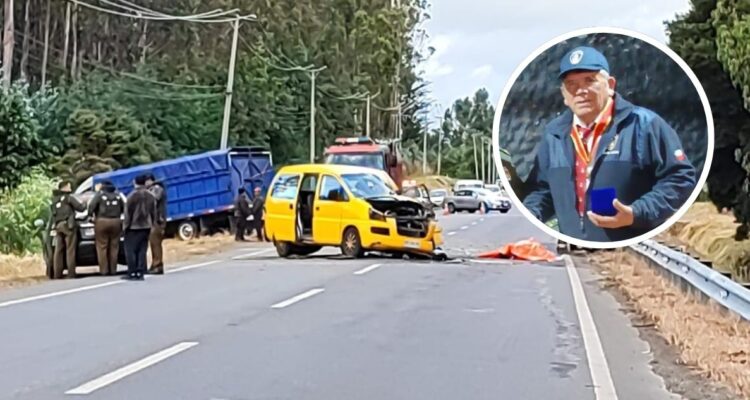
<point x="624" y="217"/>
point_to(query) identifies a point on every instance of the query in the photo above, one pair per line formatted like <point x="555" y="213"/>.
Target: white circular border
<point x="709" y="150"/>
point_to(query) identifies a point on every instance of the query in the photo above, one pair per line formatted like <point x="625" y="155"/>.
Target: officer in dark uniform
<point x="157" y="232"/>
<point x="64" y="207"/>
<point x="140" y="217"/>
<point x="241" y="212"/>
<point x="107" y="208"/>
<point x="257" y="212"/>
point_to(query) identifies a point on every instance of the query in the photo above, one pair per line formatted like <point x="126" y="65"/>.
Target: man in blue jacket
<point x="604" y="141"/>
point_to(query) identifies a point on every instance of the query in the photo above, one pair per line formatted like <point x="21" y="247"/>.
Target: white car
<point x="437" y="196"/>
<point x="493" y="201"/>
<point x="465" y="184"/>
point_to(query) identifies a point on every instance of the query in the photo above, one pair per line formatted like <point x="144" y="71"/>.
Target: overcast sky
<point x="478" y="43"/>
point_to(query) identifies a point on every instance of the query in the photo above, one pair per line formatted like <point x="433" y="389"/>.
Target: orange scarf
<point x="600" y="125"/>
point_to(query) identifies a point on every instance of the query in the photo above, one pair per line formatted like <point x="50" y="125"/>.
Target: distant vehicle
<point x="493" y="188"/>
<point x="463" y="200"/>
<point x="437" y="196"/>
<point x="421" y="194"/>
<point x="365" y="152"/>
<point x="354" y="208"/>
<point x="462" y="184"/>
<point x="493" y="201"/>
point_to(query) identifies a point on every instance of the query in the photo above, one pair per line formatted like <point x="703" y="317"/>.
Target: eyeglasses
<point x="587" y="83"/>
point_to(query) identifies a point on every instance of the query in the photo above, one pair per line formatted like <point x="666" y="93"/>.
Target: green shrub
<point x="19" y="207"/>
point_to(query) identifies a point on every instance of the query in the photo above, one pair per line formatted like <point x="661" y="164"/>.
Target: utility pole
<point x="440" y="144"/>
<point x="313" y="74"/>
<point x="476" y="162"/>
<point x="489" y="162"/>
<point x="367" y="118"/>
<point x="424" y="149"/>
<point x="230" y="84"/>
<point x="8" y="43"/>
<point x="481" y="156"/>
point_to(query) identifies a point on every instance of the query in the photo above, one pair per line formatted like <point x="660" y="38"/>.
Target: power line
<point x="123" y="74"/>
<point x="272" y="65"/>
<point x="150" y="16"/>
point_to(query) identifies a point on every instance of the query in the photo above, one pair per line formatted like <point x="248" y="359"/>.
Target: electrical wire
<point x="309" y="68"/>
<point x="123" y="74"/>
<point x="149" y="16"/>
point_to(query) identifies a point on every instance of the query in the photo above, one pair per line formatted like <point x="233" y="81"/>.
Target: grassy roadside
<point x="714" y="344"/>
<point x="25" y="270"/>
<point x="710" y="234"/>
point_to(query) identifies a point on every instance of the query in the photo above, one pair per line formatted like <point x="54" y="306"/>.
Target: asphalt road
<point x="247" y="325"/>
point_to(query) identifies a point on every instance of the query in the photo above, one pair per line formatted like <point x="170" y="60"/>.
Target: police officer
<point x="605" y="142"/>
<point x="241" y="213"/>
<point x="107" y="208"/>
<point x="157" y="232"/>
<point x="64" y="208"/>
<point x="140" y="217"/>
<point x="257" y="212"/>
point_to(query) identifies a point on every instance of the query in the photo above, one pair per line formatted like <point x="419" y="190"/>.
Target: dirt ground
<point x="20" y="271"/>
<point x="702" y="352"/>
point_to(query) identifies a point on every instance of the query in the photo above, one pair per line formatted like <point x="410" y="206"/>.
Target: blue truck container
<point x="200" y="188"/>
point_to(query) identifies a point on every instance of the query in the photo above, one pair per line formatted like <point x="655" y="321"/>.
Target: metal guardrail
<point x="711" y="283"/>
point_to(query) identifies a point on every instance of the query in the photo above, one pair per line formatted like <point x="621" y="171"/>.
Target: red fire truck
<point x="365" y="152"/>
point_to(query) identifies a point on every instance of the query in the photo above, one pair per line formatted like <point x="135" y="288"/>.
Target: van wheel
<point x="187" y="230"/>
<point x="451" y="208"/>
<point x="307" y="250"/>
<point x="284" y="249"/>
<point x="351" y="245"/>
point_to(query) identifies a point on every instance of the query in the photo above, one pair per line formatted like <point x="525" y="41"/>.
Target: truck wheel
<point x="351" y="245"/>
<point x="451" y="208"/>
<point x="187" y="230"/>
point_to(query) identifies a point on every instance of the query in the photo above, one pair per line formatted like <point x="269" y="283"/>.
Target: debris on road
<point x="528" y="250"/>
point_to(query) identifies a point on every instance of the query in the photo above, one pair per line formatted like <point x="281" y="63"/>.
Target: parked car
<point x="493" y="201"/>
<point x="463" y="200"/>
<point x="354" y="208"/>
<point x="462" y="184"/>
<point x="421" y="194"/>
<point x="437" y="196"/>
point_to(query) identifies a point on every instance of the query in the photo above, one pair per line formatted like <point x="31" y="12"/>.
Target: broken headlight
<point x="377" y="215"/>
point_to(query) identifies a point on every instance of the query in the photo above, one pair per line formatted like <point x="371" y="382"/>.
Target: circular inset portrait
<point x="603" y="137"/>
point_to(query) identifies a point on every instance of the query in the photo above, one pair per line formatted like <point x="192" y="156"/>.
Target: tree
<point x="20" y="145"/>
<point x="710" y="38"/>
<point x="102" y="142"/>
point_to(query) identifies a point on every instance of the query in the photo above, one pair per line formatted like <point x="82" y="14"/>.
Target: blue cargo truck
<point x="200" y="193"/>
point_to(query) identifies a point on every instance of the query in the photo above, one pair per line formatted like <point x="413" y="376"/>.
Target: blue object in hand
<point x="601" y="202"/>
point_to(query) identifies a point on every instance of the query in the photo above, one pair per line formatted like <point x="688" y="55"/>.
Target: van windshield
<point x="366" y="186"/>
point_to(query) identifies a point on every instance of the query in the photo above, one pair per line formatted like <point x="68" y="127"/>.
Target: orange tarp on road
<point x="529" y="250"/>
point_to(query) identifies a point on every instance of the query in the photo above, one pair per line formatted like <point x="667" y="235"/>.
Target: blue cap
<point x="583" y="58"/>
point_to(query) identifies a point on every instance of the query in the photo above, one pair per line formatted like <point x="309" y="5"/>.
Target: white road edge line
<point x="130" y="369"/>
<point x="60" y="293"/>
<point x="254" y="253"/>
<point x="604" y="388"/>
<point x="451" y="233"/>
<point x="367" y="269"/>
<point x="189" y="267"/>
<point x="297" y="298"/>
<point x="463" y="228"/>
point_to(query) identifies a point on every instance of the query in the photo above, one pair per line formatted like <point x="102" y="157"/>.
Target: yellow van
<point x="315" y="205"/>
